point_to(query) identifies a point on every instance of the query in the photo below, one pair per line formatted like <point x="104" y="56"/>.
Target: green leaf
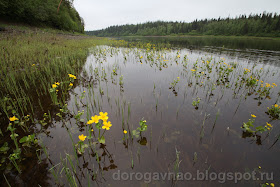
<point x="260" y="129"/>
<point x="14" y="135"/>
<point x="32" y="136"/>
<point x="98" y="126"/>
<point x="4" y="148"/>
<point x="135" y="133"/>
<point x="23" y="139"/>
<point x="101" y="140"/>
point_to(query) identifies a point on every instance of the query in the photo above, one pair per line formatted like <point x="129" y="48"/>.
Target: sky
<point x="100" y="14"/>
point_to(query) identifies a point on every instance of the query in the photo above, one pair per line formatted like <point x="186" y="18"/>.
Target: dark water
<point x="209" y="138"/>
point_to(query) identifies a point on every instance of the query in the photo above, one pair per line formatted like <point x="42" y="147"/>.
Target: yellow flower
<point x="72" y="76"/>
<point x="272" y="184"/>
<point x="82" y="137"/>
<point x="178" y="56"/>
<point x="274" y="84"/>
<point x="95" y="119"/>
<point x="33" y="64"/>
<point x="268" y="128"/>
<point x="106" y="125"/>
<point x="14" y="118"/>
<point x="103" y="116"/>
<point x="57" y="83"/>
<point x="268" y="124"/>
<point x="253" y="115"/>
<point x="54" y="85"/>
<point x="260" y="167"/>
<point x="70" y="84"/>
<point x="141" y="57"/>
<point x="124" y="131"/>
<point x="192" y="69"/>
<point x="275" y="105"/>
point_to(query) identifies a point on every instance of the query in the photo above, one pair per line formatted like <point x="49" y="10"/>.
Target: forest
<point x="264" y="24"/>
<point x="42" y="13"/>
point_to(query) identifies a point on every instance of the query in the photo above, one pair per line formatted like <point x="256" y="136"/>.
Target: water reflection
<point x="134" y="83"/>
<point x="251" y="49"/>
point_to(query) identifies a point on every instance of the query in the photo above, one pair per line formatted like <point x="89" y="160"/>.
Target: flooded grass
<point x="76" y="112"/>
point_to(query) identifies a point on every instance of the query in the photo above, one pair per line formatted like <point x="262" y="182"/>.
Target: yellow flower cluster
<point x="268" y="126"/>
<point x="102" y="116"/>
<point x="72" y="76"/>
<point x="269" y="85"/>
<point x="55" y="84"/>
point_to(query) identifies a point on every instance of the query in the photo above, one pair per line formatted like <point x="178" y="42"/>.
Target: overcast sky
<point x="99" y="14"/>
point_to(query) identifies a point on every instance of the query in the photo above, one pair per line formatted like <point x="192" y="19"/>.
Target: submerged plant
<point x="177" y="164"/>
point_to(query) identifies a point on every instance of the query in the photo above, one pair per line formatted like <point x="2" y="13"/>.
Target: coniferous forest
<point x="43" y="13"/>
<point x="264" y="24"/>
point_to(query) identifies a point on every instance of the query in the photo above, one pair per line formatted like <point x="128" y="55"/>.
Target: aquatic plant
<point x="250" y="128"/>
<point x="196" y="102"/>
<point x="274" y="111"/>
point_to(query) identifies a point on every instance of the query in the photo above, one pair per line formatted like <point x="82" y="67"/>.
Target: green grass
<point x="31" y="62"/>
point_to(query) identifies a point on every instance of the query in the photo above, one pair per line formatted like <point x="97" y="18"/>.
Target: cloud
<point x="102" y="14"/>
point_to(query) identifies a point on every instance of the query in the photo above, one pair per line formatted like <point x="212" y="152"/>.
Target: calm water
<point x="209" y="138"/>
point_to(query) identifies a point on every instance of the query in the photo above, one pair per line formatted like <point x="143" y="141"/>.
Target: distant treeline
<point x="42" y="13"/>
<point x="265" y="24"/>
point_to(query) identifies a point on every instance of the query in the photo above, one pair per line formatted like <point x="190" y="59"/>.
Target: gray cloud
<point x="101" y="14"/>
